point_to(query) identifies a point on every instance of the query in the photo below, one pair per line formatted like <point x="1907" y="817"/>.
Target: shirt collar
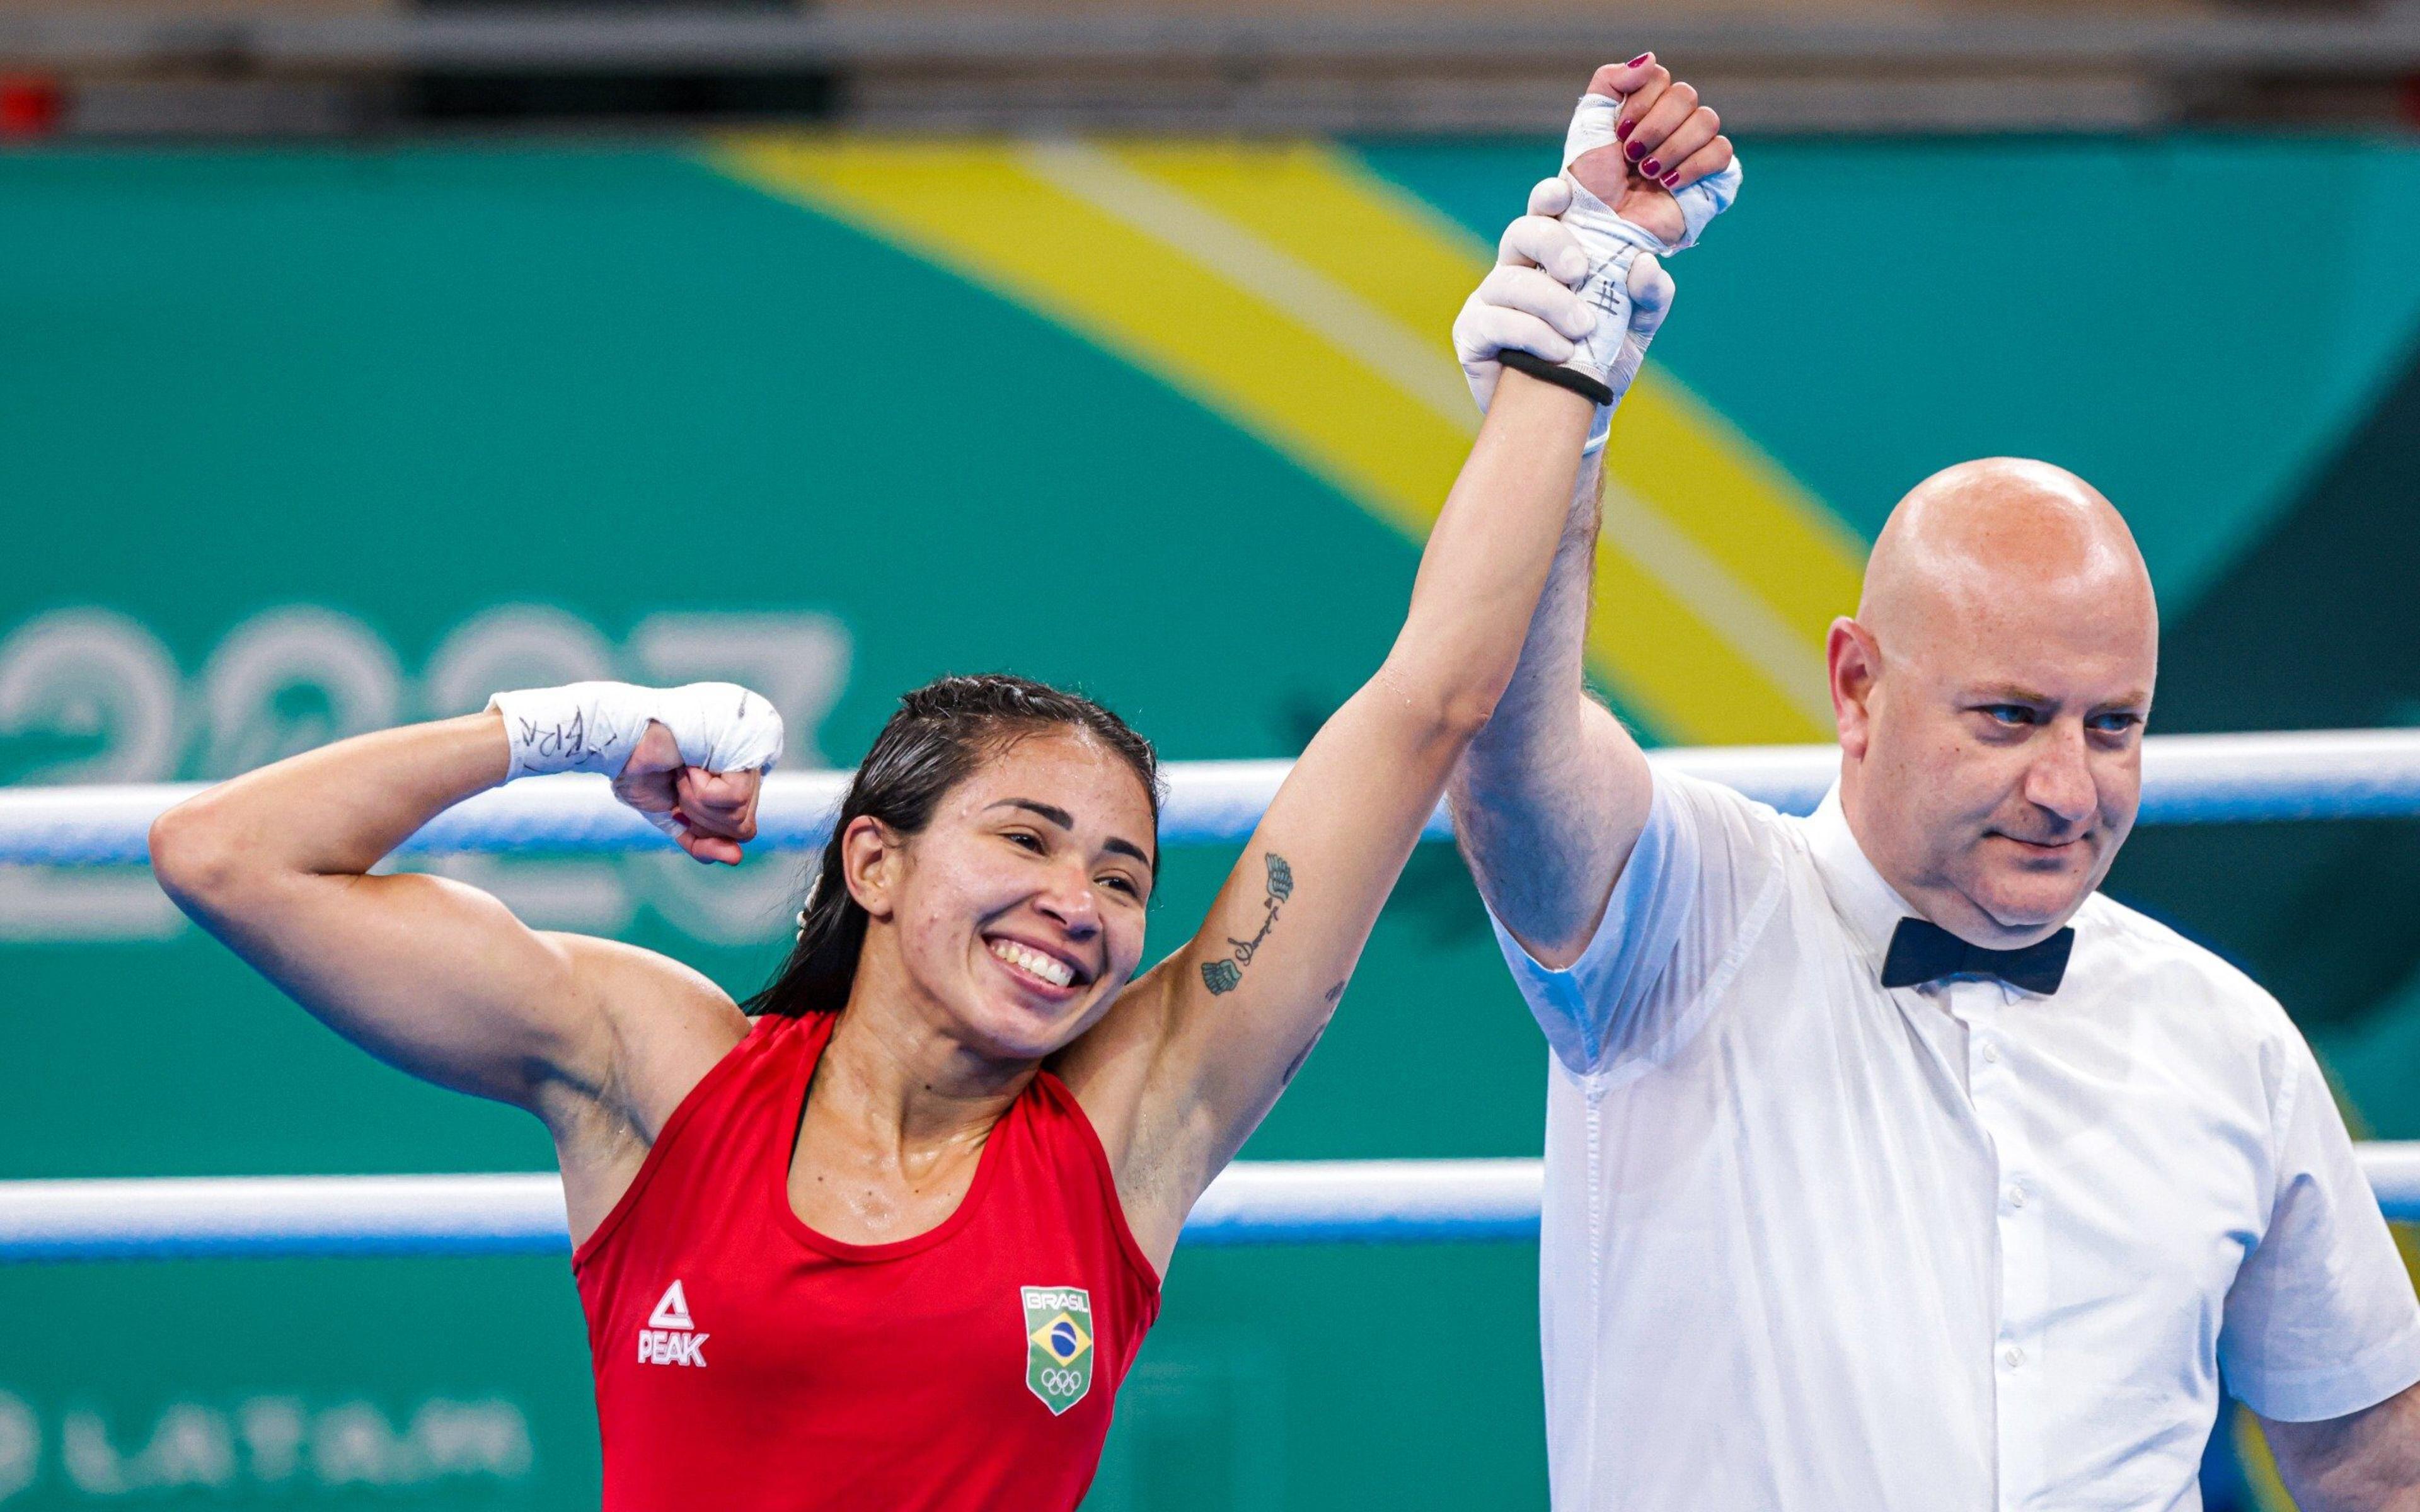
<point x="1869" y="906"/>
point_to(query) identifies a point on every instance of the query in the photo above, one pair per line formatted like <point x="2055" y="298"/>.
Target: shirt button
<point x="2012" y="1357"/>
<point x="2016" y="1196"/>
<point x="1992" y="1052"/>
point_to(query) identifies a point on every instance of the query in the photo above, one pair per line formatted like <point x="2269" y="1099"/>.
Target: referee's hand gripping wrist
<point x="691" y="759"/>
<point x="1592" y="339"/>
<point x="1576" y="294"/>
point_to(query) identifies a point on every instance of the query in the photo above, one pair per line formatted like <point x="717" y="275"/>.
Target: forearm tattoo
<point x="1225" y="973"/>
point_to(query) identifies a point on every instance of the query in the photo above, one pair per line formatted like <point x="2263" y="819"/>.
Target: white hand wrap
<point x="1613" y="243"/>
<point x="1593" y="124"/>
<point x="593" y="727"/>
<point x="1568" y="285"/>
<point x="1525" y="305"/>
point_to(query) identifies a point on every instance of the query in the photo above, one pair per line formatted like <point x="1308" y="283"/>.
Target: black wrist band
<point x="1572" y="379"/>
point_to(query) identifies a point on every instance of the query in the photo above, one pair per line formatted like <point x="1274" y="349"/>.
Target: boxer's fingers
<point x="1673" y="106"/>
<point x="1701" y="127"/>
<point x="655" y="754"/>
<point x="721" y="803"/>
<point x="1616" y="80"/>
<point x="1703" y="164"/>
<point x="707" y="848"/>
<point x="1642" y="99"/>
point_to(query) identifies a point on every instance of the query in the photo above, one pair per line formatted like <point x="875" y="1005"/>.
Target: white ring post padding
<point x="1253" y="1203"/>
<point x="2340" y="774"/>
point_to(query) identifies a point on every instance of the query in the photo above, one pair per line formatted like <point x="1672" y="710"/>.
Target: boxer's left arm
<point x="2364" y="1461"/>
<point x="434" y="977"/>
<point x="1197" y="1050"/>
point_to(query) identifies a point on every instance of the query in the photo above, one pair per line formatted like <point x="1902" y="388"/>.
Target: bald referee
<point x="1890" y="1166"/>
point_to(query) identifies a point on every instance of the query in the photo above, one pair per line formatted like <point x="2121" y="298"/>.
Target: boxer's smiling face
<point x="1015" y="917"/>
<point x="1993" y="693"/>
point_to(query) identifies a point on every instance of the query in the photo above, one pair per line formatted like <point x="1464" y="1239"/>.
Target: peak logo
<point x="671" y="1336"/>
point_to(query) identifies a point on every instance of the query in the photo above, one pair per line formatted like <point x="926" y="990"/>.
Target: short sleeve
<point x="1674" y="911"/>
<point x="2321" y="1320"/>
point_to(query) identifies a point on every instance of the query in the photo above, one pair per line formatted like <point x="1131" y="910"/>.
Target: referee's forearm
<point x="1543" y="800"/>
<point x="1544" y="701"/>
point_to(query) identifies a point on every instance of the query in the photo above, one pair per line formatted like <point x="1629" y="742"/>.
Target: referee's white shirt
<point x="1814" y="1245"/>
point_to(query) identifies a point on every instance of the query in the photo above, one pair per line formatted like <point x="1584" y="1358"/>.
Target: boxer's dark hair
<point x="937" y="737"/>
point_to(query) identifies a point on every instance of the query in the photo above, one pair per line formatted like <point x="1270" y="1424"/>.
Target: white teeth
<point x="1048" y="968"/>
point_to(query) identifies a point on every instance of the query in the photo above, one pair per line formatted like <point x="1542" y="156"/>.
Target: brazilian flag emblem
<point x="1057" y="1345"/>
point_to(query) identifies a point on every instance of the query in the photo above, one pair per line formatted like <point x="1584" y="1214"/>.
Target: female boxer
<point x="890" y="1237"/>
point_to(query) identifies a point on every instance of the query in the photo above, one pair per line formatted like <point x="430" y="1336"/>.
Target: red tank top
<point x="748" y="1363"/>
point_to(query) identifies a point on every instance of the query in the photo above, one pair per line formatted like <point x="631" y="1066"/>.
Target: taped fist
<point x="708" y="815"/>
<point x="690" y="758"/>
<point x="1646" y="169"/>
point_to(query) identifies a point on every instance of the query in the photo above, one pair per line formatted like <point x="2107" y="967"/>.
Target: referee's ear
<point x="1854" y="663"/>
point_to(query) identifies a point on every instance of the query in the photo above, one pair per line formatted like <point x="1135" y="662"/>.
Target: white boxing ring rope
<point x="1253" y="1203"/>
<point x="2187" y="780"/>
<point x="2330" y="774"/>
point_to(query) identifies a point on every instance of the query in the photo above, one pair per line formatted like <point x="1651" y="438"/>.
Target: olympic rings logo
<point x="1061" y="1382"/>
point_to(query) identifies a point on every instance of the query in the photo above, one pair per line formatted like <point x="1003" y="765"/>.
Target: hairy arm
<point x="430" y="975"/>
<point x="2364" y="1461"/>
<point x="1552" y="796"/>
<point x="1201" y="1047"/>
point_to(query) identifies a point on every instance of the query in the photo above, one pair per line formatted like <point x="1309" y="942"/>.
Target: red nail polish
<point x="1634" y="151"/>
<point x="1652" y="168"/>
<point x="1640" y="58"/>
<point x="1621" y="132"/>
<point x="1673" y="179"/>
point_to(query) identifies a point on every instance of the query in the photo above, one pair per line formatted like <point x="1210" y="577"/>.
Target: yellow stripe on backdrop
<point x="1285" y="288"/>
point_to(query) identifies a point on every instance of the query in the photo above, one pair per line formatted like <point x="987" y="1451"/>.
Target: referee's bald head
<point x="1991" y="693"/>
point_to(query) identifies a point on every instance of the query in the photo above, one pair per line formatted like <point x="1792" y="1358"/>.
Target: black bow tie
<point x="1922" y="951"/>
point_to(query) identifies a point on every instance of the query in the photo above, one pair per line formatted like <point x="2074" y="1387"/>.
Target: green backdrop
<point x="294" y="443"/>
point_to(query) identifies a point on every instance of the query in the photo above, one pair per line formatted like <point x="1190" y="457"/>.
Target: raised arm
<point x="1193" y="1057"/>
<point x="2367" y="1461"/>
<point x="433" y="977"/>
<point x="1553" y="794"/>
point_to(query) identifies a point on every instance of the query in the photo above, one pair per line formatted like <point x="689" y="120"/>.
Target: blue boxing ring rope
<point x="2362" y="774"/>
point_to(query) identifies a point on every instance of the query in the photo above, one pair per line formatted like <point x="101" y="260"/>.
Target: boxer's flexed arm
<point x="431" y="976"/>
<point x="1551" y="799"/>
